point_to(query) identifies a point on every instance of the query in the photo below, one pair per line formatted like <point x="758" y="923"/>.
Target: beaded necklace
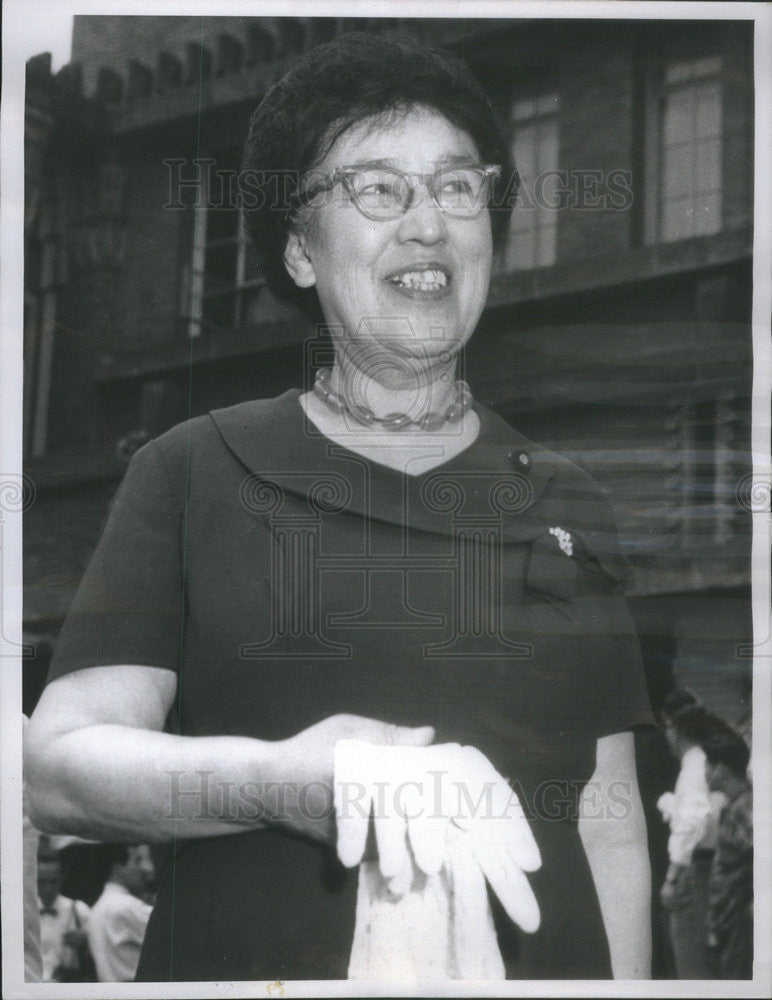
<point x="430" y="421"/>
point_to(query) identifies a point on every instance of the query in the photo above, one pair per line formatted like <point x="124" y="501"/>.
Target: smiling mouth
<point x="421" y="280"/>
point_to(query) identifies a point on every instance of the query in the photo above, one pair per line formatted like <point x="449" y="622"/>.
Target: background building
<point x="617" y="330"/>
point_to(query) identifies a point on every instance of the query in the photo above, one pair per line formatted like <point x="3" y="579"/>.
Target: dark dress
<point x="287" y="579"/>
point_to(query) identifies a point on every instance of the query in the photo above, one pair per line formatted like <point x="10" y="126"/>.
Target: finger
<point x="353" y="797"/>
<point x="508" y="822"/>
<point x="504" y="823"/>
<point x="481" y="791"/>
<point x="508" y="882"/>
<point x="474" y="936"/>
<point x="427" y="839"/>
<point x="520" y="842"/>
<point x="501" y="811"/>
<point x="389" y="765"/>
<point x="390" y="837"/>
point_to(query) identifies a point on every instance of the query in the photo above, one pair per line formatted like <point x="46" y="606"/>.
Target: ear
<point x="297" y="261"/>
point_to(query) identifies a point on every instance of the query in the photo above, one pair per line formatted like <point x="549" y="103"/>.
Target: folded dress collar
<point x="501" y="474"/>
<point x="502" y="478"/>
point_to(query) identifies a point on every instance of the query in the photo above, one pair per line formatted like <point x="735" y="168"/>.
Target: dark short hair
<point x="333" y="87"/>
<point x="113" y="854"/>
<point x="728" y="748"/>
<point x="678" y="699"/>
<point x="695" y="724"/>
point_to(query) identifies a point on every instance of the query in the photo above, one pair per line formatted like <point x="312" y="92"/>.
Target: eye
<point x="460" y="192"/>
<point x="378" y="187"/>
<point x="456" y="185"/>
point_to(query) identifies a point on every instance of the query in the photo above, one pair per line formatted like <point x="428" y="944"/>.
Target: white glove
<point x="666" y="805"/>
<point x="414" y="794"/>
<point x="502" y="841"/>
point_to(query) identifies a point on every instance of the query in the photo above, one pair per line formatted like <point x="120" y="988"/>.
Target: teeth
<point x="425" y="281"/>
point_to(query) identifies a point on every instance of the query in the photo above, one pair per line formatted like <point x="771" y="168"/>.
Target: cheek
<point x="478" y="246"/>
<point x="339" y="250"/>
<point x="478" y="251"/>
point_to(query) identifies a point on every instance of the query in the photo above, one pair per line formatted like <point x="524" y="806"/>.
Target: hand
<point x="307" y="803"/>
<point x="415" y="794"/>
<point x="665" y="804"/>
<point x="501" y="839"/>
<point x="675" y="889"/>
<point x="667" y="896"/>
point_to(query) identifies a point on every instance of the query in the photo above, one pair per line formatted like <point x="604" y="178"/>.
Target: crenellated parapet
<point x="147" y="70"/>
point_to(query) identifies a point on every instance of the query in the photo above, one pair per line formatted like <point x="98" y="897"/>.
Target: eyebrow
<point x="449" y="160"/>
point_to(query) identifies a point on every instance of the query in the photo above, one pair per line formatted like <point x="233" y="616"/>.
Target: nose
<point x="423" y="222"/>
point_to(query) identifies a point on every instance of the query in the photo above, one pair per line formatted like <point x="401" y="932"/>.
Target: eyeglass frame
<point x="343" y="175"/>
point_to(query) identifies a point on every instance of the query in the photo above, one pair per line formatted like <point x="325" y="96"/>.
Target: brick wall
<point x="596" y="122"/>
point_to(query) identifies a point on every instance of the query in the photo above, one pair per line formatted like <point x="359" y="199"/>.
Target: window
<point x="199" y="63"/>
<point x="710" y="448"/>
<point x="690" y="131"/>
<point x="260" y="45"/>
<point x="44" y="273"/>
<point x="532" y="240"/>
<point x="222" y="290"/>
<point x="231" y="284"/>
<point x="230" y="55"/>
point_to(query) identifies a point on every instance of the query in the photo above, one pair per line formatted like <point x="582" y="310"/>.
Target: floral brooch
<point x="564" y="540"/>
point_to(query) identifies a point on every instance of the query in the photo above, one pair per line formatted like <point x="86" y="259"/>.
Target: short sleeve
<point x="612" y="693"/>
<point x="614" y="684"/>
<point x="129" y="606"/>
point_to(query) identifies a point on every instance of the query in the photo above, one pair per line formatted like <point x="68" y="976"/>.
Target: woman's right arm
<point x="97" y="764"/>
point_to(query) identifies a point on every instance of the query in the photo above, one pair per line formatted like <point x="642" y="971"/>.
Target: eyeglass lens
<point x="385" y="194"/>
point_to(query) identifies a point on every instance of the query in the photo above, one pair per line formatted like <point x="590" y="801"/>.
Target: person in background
<point x="693" y="817"/>
<point x="743" y="725"/>
<point x="677" y="701"/>
<point x="730" y="889"/>
<point x="63" y="924"/>
<point x="120" y="915"/>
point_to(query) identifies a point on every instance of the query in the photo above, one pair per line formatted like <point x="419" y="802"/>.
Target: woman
<point x="375" y="558"/>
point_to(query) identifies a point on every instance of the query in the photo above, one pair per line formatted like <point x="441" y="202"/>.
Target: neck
<point x="410" y="386"/>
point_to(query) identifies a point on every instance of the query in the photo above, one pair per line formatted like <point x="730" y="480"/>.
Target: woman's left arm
<point x="613" y="830"/>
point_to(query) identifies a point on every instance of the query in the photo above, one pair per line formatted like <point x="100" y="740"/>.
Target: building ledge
<point x="230" y="344"/>
<point x="644" y="263"/>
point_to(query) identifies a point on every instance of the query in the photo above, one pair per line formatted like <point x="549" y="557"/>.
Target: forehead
<point x="139" y="855"/>
<point x="49" y="869"/>
<point x="417" y="140"/>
